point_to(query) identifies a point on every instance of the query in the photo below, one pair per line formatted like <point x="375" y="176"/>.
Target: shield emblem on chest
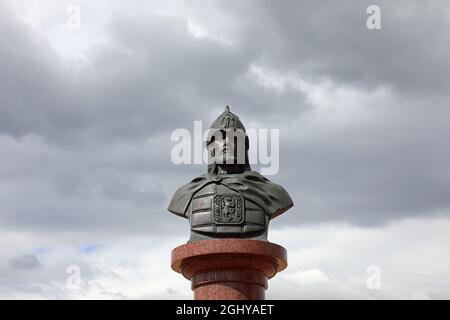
<point x="228" y="209"/>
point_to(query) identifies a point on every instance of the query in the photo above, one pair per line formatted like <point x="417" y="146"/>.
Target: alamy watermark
<point x="373" y="21"/>
<point x="73" y="281"/>
<point x="255" y="146"/>
<point x="373" y="281"/>
<point x="73" y="21"/>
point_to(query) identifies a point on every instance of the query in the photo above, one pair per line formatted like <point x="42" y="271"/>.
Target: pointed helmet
<point x="225" y="122"/>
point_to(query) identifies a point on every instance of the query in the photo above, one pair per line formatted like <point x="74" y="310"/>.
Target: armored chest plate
<point x="216" y="209"/>
<point x="228" y="209"/>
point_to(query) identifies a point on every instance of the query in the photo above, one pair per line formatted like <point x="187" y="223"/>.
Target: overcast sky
<point x="86" y="117"/>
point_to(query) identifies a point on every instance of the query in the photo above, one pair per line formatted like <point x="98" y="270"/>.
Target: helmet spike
<point x="227" y="120"/>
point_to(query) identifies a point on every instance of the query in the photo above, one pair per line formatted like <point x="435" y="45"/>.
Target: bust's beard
<point x="226" y="157"/>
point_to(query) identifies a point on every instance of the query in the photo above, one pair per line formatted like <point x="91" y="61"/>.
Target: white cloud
<point x="412" y="254"/>
<point x="325" y="262"/>
<point x="307" y="277"/>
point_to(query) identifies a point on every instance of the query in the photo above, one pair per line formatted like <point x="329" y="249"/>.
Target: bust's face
<point x="228" y="147"/>
<point x="225" y="149"/>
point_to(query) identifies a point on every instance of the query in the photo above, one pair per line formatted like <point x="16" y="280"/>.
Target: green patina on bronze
<point x="230" y="200"/>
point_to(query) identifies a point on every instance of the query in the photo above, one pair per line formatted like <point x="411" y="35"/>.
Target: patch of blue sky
<point x="89" y="248"/>
<point x="41" y="250"/>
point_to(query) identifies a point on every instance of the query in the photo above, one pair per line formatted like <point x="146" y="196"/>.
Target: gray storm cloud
<point x="69" y="132"/>
<point x="363" y="114"/>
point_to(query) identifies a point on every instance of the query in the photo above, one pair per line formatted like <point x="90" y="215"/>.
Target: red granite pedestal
<point x="229" y="269"/>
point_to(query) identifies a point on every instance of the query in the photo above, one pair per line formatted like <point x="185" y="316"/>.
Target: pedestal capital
<point x="229" y="268"/>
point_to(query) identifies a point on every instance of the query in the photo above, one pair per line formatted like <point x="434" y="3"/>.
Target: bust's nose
<point x="227" y="142"/>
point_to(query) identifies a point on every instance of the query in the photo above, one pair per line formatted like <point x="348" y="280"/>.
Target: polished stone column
<point x="229" y="269"/>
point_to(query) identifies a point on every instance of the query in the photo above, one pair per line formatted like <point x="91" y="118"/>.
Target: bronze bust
<point x="230" y="200"/>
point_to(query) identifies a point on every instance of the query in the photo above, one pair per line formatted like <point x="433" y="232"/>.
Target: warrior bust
<point x="230" y="200"/>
